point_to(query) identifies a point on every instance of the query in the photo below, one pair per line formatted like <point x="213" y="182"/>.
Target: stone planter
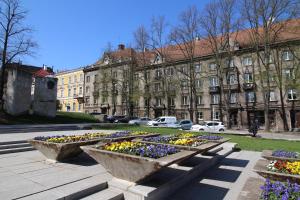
<point x="267" y="154"/>
<point x="129" y="137"/>
<point x="130" y="167"/>
<point x="261" y="169"/>
<point x="60" y="151"/>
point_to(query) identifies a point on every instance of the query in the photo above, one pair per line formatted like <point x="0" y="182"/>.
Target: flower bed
<point x="175" y="141"/>
<point x="280" y="170"/>
<point x="281" y="155"/>
<point x="283" y="166"/>
<point x="133" y="161"/>
<point x="210" y="137"/>
<point x="186" y="135"/>
<point x="71" y="138"/>
<point x="141" y="149"/>
<point x="280" y="190"/>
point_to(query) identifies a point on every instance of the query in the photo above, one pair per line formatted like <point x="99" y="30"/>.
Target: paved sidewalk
<point x="225" y="181"/>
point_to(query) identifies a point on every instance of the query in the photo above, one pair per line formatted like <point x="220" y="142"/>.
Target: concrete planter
<point x="130" y="167"/>
<point x="261" y="169"/>
<point x="267" y="154"/>
<point x="60" y="151"/>
<point x="129" y="137"/>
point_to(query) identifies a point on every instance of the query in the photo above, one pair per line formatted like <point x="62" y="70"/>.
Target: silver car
<point x="140" y="121"/>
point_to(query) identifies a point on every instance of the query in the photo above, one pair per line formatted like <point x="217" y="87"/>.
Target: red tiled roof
<point x="42" y="73"/>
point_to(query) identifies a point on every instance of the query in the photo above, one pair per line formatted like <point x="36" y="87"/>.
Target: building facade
<point x="70" y="90"/>
<point x="118" y="83"/>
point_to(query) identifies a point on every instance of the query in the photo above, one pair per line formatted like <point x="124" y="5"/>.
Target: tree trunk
<point x="283" y="113"/>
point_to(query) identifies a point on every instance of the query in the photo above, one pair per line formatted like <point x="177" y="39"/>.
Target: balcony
<point x="249" y="86"/>
<point x="79" y="97"/>
<point x="214" y="89"/>
<point x="232" y="87"/>
<point x="159" y="93"/>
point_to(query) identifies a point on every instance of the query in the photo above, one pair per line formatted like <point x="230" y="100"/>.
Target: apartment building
<point x="70" y="89"/>
<point x="118" y="83"/>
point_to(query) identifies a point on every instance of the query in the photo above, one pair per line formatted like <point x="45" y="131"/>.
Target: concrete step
<point x="13" y="142"/>
<point x="16" y="150"/>
<point x="13" y="146"/>
<point x="74" y="190"/>
<point x="107" y="194"/>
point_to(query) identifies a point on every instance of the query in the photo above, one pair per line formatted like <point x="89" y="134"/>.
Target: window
<point x="183" y="69"/>
<point x="80" y="90"/>
<point x="184" y="100"/>
<point x="158" y="73"/>
<point x="248" y="77"/>
<point x="289" y="73"/>
<point x="287" y="55"/>
<point x="292" y="94"/>
<point x="96" y="78"/>
<point x="104" y="99"/>
<point x="213" y="81"/>
<point x="212" y="66"/>
<point x="104" y="87"/>
<point x="215" y="99"/>
<point x="79" y="107"/>
<point x="115" y="74"/>
<point x="81" y="77"/>
<point x="199" y="100"/>
<point x="170" y="71"/>
<point x="232" y="79"/>
<point x="147" y="75"/>
<point x="146" y="102"/>
<point x="233" y="98"/>
<point x="229" y="63"/>
<point x="74" y="91"/>
<point x="250" y="97"/>
<point x="198" y="83"/>
<point x="75" y="79"/>
<point x="136" y="76"/>
<point x="87" y="100"/>
<point x="87" y="89"/>
<point x="198" y="68"/>
<point x="95" y="101"/>
<point x="125" y="74"/>
<point x="158" y="101"/>
<point x="62" y="93"/>
<point x="70" y="79"/>
<point x="200" y="115"/>
<point x="184" y="84"/>
<point x="69" y="92"/>
<point x="62" y="81"/>
<point x="247" y="61"/>
<point x="88" y="79"/>
<point x="157" y="87"/>
<point x="216" y="116"/>
<point x="171" y="101"/>
<point x="74" y="107"/>
<point x="272" y="96"/>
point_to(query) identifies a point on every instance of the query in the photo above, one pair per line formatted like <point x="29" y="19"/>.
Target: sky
<point x="74" y="33"/>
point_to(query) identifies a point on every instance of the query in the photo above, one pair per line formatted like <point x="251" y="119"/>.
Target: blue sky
<point x="74" y="33"/>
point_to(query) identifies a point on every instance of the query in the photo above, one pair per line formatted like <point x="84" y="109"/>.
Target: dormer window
<point x="106" y="60"/>
<point x="158" y="59"/>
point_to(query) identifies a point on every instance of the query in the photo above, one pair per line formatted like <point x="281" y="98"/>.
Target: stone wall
<point x="18" y="92"/>
<point x="45" y="92"/>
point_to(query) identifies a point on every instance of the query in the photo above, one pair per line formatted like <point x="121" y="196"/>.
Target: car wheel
<point x="221" y="129"/>
<point x="201" y="129"/>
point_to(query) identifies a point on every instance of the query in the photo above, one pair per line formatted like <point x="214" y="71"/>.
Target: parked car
<point x="165" y="121"/>
<point x="209" y="126"/>
<point x="140" y="121"/>
<point x="101" y="117"/>
<point x="185" y="124"/>
<point x="125" y="119"/>
<point x="114" y="118"/>
<point x="151" y="122"/>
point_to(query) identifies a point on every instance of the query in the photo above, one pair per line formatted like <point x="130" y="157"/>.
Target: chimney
<point x="121" y="46"/>
<point x="44" y="67"/>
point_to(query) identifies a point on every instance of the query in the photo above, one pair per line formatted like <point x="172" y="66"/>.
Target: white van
<point x="164" y="121"/>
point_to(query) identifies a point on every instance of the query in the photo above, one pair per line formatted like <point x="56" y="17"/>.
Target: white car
<point x="209" y="126"/>
<point x="164" y="121"/>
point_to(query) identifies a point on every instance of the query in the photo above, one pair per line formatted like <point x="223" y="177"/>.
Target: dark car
<point x="125" y="119"/>
<point x="115" y="118"/>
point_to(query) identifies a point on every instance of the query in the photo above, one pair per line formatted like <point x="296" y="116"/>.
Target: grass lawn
<point x="61" y="118"/>
<point x="244" y="142"/>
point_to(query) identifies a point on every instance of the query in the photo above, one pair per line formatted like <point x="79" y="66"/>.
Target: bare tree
<point x="15" y="37"/>
<point x="185" y="36"/>
<point x="267" y="20"/>
<point x="220" y="24"/>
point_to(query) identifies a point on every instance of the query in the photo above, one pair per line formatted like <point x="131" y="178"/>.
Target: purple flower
<point x="210" y="137"/>
<point x="286" y="154"/>
<point x="158" y="139"/>
<point x="118" y="134"/>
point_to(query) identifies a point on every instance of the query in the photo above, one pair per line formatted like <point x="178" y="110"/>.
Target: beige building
<point x="70" y="90"/>
<point x="119" y="84"/>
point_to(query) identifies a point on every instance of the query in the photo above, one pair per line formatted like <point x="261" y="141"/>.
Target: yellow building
<point x="70" y="90"/>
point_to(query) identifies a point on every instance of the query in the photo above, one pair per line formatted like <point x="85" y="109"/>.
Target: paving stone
<point x="107" y="194"/>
